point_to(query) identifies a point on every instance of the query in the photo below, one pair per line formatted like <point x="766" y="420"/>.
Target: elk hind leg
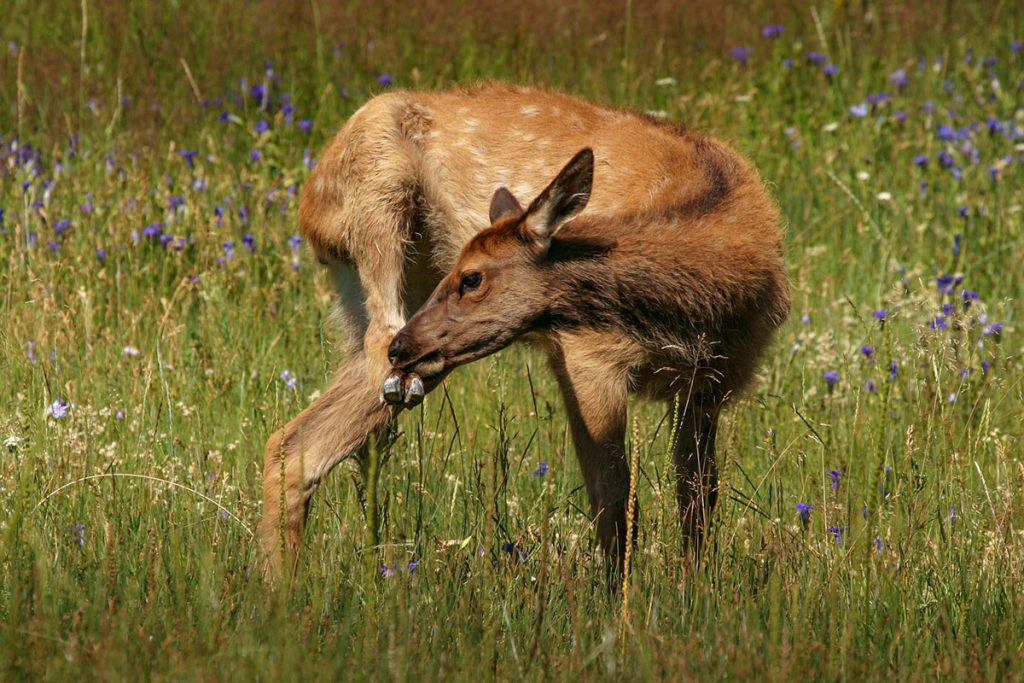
<point x="696" y="470"/>
<point x="298" y="456"/>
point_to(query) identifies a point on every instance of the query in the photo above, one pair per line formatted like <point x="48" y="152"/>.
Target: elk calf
<point x="652" y="264"/>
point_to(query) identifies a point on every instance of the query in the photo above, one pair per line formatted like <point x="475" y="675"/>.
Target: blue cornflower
<point x="880" y="315"/>
<point x="946" y="133"/>
<point x="385" y="80"/>
<point x="815" y="57"/>
<point x="878" y="544"/>
<point x="859" y="110"/>
<point x="386" y="571"/>
<point x="993" y="330"/>
<point x="262" y="126"/>
<point x="54" y="245"/>
<point x="868" y="351"/>
<point x="945" y="283"/>
<point x="249" y="241"/>
<point x="830" y="70"/>
<point x="60" y="226"/>
<point x="101" y="254"/>
<point x="835" y="476"/>
<point x="742" y="53"/>
<point x="921" y="160"/>
<point x="952" y="513"/>
<point x="938" y="323"/>
<point x="153" y="230"/>
<point x="189" y="155"/>
<point x="870" y="386"/>
<point x="837" y="531"/>
<point x="805" y="511"/>
<point x="305" y="125"/>
<point x="255" y="155"/>
<point x="773" y="31"/>
<point x="175" y="202"/>
<point x="969" y="295"/>
<point x="289" y="379"/>
<point x="541" y="470"/>
<point x="985" y="365"/>
<point x="831" y="377"/>
<point x="413" y="566"/>
<point x="78" y="534"/>
<point x="295" y="241"/>
<point x="805" y="319"/>
<point x="894" y="368"/>
<point x="229" y="250"/>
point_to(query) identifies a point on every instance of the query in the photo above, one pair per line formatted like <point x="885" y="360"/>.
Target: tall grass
<point x="167" y="309"/>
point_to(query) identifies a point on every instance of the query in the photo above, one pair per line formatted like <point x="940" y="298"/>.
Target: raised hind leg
<point x="298" y="456"/>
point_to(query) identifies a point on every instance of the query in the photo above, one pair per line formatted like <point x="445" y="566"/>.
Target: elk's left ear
<point x="565" y="197"/>
<point x="504" y="204"/>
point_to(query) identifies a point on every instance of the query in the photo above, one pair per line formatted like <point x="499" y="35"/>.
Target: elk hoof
<point x="414" y="391"/>
<point x="393" y="389"/>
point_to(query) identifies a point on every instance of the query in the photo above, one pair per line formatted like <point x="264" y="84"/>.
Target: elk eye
<point x="470" y="281"/>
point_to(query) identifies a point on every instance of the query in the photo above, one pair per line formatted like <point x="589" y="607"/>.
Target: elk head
<point x="496" y="292"/>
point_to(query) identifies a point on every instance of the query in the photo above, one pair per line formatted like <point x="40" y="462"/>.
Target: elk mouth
<point x="430" y="366"/>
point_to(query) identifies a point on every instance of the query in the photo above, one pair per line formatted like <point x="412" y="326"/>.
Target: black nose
<point x="394" y="350"/>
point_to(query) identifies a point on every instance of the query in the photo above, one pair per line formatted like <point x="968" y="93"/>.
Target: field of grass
<point x="163" y="319"/>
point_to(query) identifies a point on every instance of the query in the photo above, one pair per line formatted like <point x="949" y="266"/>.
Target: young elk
<point x="668" y="282"/>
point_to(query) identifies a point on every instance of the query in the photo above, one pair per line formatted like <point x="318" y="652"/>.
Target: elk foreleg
<point x="595" y="393"/>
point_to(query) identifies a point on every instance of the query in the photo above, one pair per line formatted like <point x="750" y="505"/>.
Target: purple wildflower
<point x="894" y="368"/>
<point x="153" y="230"/>
<point x="541" y="470"/>
<point x="78" y="534"/>
<point x="899" y="79"/>
<point x="305" y="125"/>
<point x="868" y="351"/>
<point x="262" y="126"/>
<point x="870" y="386"/>
<point x="830" y="70"/>
<point x="835" y="476"/>
<point x="938" y="323"/>
<point x="189" y="155"/>
<point x="815" y="57"/>
<point x="385" y="80"/>
<point x="386" y="571"/>
<point x="59" y="409"/>
<point x="831" y="377"/>
<point x="101" y="254"/>
<point x="805" y="512"/>
<point x="295" y="241"/>
<point x="921" y="160"/>
<point x="289" y="379"/>
<point x="859" y="110"/>
<point x="61" y="226"/>
<point x="837" y="532"/>
<point x="881" y="315"/>
<point x="773" y="31"/>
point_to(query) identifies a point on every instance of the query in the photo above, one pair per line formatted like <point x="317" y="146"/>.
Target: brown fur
<point x="670" y="281"/>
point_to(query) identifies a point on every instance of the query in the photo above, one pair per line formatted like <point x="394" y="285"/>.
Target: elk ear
<point x="504" y="204"/>
<point x="565" y="197"/>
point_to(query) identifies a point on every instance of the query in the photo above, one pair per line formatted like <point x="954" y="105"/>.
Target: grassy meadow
<point x="162" y="319"/>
